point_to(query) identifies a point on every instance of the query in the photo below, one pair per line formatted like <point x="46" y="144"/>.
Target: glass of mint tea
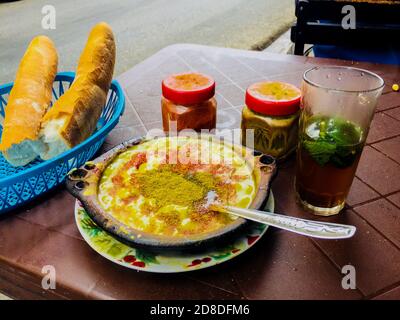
<point x="338" y="104"/>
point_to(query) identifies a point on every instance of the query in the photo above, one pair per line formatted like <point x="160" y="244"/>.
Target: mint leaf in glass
<point x="333" y="140"/>
<point x="343" y="132"/>
<point x="320" y="151"/>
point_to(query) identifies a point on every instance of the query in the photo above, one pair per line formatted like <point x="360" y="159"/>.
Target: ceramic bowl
<point x="83" y="182"/>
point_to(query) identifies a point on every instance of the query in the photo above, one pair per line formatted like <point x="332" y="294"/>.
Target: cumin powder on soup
<point x="166" y="186"/>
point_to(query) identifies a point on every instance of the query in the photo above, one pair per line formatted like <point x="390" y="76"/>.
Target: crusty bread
<point x="29" y="99"/>
<point x="74" y="116"/>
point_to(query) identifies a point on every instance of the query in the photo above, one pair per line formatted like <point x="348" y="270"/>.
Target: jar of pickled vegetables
<point x="272" y="110"/>
<point x="188" y="102"/>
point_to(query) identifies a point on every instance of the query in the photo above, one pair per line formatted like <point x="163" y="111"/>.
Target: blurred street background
<point x="142" y="27"/>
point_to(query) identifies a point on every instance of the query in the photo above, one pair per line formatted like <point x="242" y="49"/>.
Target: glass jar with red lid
<point x="272" y="111"/>
<point x="188" y="102"/>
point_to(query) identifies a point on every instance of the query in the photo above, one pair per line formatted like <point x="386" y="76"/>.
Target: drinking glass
<point x="338" y="104"/>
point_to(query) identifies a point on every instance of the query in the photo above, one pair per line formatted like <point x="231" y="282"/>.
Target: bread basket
<point x="19" y="185"/>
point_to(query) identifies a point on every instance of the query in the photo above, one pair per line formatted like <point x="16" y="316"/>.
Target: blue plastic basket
<point x="22" y="184"/>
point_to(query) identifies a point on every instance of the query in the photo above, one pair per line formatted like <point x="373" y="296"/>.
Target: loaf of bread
<point x="74" y="116"/>
<point x="29" y="99"/>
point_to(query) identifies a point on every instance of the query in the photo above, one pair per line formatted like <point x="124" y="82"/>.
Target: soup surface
<point x="162" y="186"/>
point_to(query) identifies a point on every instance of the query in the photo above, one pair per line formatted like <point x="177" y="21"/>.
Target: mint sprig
<point x="320" y="151"/>
<point x="338" y="142"/>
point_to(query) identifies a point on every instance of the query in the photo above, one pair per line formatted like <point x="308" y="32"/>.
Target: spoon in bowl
<point x="316" y="229"/>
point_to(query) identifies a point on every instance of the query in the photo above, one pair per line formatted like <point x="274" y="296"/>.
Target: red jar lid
<point x="273" y="98"/>
<point x="188" y="88"/>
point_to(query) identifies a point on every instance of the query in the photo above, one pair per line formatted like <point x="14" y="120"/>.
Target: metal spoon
<point x="316" y="229"/>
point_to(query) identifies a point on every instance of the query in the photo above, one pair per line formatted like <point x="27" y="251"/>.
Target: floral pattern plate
<point x="142" y="260"/>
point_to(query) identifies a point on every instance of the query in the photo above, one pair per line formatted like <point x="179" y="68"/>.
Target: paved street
<point x="142" y="27"/>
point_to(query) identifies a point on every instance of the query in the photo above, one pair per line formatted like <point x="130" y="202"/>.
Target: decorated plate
<point x="141" y="259"/>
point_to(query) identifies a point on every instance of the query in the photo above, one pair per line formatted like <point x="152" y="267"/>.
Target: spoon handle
<point x="316" y="229"/>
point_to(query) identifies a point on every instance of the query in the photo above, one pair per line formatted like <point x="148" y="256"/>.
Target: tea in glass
<point x="338" y="104"/>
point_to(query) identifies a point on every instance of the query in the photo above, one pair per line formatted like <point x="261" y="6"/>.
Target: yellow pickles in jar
<point x="272" y="111"/>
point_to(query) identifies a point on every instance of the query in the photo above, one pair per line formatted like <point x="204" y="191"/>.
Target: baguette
<point x="74" y="116"/>
<point x="29" y="99"/>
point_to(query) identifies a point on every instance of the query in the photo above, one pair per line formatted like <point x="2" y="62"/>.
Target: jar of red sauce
<point x="188" y="102"/>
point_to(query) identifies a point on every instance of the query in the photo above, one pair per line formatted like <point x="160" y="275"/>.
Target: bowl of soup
<point x="154" y="192"/>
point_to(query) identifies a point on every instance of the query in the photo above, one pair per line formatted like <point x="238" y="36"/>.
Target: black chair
<point x="320" y="22"/>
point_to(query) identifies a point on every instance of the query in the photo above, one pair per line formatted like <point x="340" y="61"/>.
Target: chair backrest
<point x="320" y="22"/>
<point x="367" y="11"/>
